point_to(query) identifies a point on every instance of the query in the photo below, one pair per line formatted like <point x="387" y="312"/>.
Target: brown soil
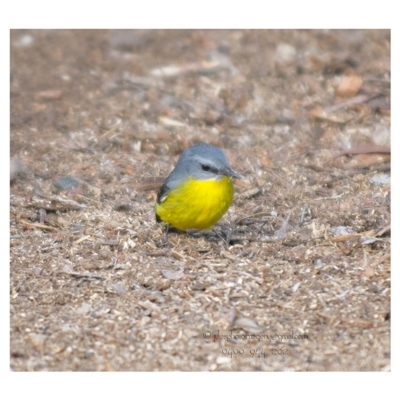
<point x="296" y="276"/>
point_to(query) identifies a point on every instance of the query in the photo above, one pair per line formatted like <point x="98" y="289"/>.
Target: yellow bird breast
<point x="196" y="204"/>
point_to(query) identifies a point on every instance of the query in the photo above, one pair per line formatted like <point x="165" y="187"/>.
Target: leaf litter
<point x="303" y="254"/>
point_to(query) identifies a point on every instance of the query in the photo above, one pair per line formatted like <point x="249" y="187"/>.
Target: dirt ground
<point x="296" y="275"/>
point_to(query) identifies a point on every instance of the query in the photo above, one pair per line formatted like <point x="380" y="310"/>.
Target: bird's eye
<point x="205" y="167"/>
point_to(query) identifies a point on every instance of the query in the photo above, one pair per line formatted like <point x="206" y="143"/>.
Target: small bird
<point x="198" y="191"/>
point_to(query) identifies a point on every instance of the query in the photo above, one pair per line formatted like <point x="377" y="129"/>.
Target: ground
<point x="295" y="276"/>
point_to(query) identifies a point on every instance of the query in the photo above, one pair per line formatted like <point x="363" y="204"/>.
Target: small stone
<point x="66" y="183"/>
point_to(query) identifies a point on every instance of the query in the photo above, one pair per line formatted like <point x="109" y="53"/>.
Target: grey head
<point x="201" y="161"/>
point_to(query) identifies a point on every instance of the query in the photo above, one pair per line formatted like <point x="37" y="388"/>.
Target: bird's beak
<point x="230" y="172"/>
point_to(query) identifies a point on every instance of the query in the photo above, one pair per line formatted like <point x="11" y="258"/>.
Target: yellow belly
<point x="196" y="204"/>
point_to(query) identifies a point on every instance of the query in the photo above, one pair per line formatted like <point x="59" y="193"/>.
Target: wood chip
<point x="349" y="86"/>
<point x="173" y="274"/>
<point x="37" y="225"/>
<point x="248" y="325"/>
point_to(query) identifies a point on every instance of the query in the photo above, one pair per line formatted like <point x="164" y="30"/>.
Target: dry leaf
<point x="173" y="275"/>
<point x="349" y="86"/>
<point x="248" y="325"/>
<point x="320" y="113"/>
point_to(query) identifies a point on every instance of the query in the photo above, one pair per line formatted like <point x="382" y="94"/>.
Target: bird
<point x="198" y="191"/>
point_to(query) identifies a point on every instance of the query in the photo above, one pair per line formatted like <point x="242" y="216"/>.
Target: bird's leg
<point x="223" y="235"/>
<point x="194" y="233"/>
<point x="164" y="238"/>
